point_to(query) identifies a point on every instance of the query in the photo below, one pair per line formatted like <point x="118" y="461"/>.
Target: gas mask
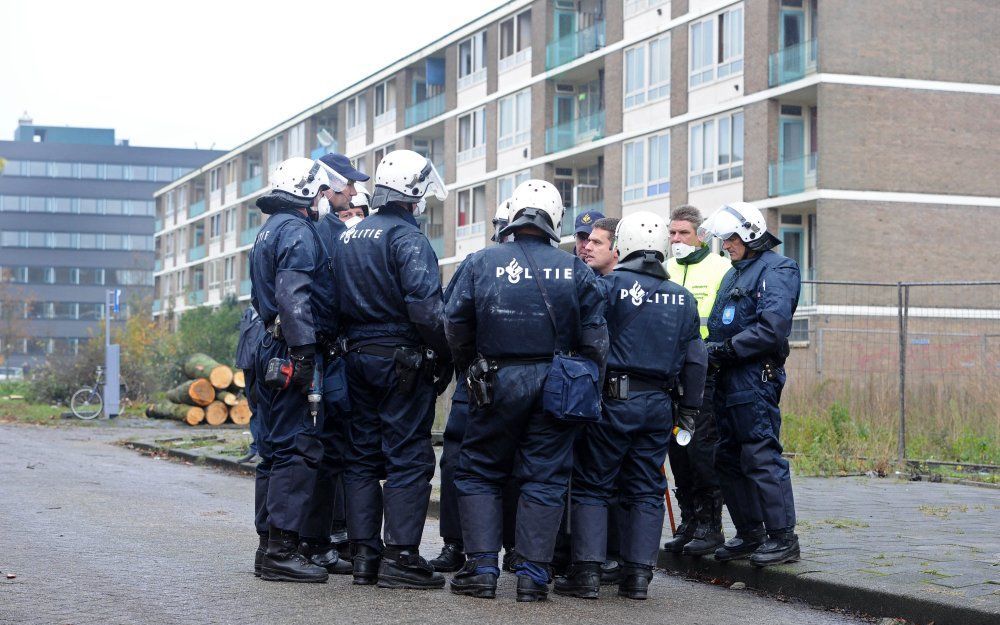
<point x="682" y="250"/>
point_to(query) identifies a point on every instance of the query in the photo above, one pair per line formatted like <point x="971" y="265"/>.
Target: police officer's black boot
<point x="326" y="556"/>
<point x="259" y="555"/>
<point x="685" y="531"/>
<point x="635" y="581"/>
<point x="742" y="545"/>
<point x="478" y="578"/>
<point x="611" y="572"/>
<point x="451" y="559"/>
<point x="582" y="580"/>
<point x="532" y="580"/>
<point x="781" y="546"/>
<point x="282" y="561"/>
<point x="365" y="561"/>
<point x="708" y="535"/>
<point x="402" y="567"/>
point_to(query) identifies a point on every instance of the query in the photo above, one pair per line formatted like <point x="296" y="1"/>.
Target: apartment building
<point x="862" y="127"/>
<point x="76" y="219"/>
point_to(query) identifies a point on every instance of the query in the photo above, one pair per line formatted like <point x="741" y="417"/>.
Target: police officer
<point x="251" y="331"/>
<point x="497" y="316"/>
<point x="748" y="342"/>
<point x="358" y="207"/>
<point x="655" y="345"/>
<point x="318" y="543"/>
<point x="582" y="228"/>
<point x="693" y="266"/>
<point x="397" y="363"/>
<point x="287" y="259"/>
<point x="452" y="555"/>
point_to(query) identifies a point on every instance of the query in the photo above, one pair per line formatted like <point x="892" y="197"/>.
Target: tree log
<point x="240" y="413"/>
<point x="192" y="415"/>
<point x="193" y="393"/>
<point x="216" y="413"/>
<point x="203" y="366"/>
<point x="239" y="381"/>
<point x="226" y="397"/>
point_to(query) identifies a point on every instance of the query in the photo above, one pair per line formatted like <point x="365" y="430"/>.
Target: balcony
<point x="196" y="253"/>
<point x="195" y="298"/>
<point x="196" y="208"/>
<point x="250" y="185"/>
<point x="569" y="217"/>
<point x="791" y="63"/>
<point x="575" y="45"/>
<point x="244" y="287"/>
<point x="424" y="110"/>
<point x="575" y="132"/>
<point x="247" y="236"/>
<point x="157" y="306"/>
<point x="323" y="150"/>
<point x="158" y="225"/>
<point x="785" y="177"/>
<point x="158" y="265"/>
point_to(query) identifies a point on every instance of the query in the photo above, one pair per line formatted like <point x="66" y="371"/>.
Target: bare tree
<point x="14" y="328"/>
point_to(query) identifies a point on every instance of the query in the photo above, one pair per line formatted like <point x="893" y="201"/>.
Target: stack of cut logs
<point x="213" y="394"/>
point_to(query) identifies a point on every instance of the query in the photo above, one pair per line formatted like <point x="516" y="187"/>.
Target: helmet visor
<point x="334" y="179"/>
<point x="431" y="181"/>
<point x="723" y="224"/>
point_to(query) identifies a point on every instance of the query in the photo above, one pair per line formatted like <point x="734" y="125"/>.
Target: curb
<point x="805" y="586"/>
<point x="825" y="592"/>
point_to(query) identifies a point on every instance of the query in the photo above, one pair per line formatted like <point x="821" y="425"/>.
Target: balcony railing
<point x="569" y="217"/>
<point x="323" y="150"/>
<point x="196" y="298"/>
<point x="158" y="225"/>
<point x="157" y="306"/>
<point x="792" y="63"/>
<point x="575" y="132"/>
<point x="250" y="185"/>
<point x="158" y="265"/>
<point x="244" y="287"/>
<point x="792" y="175"/>
<point x="247" y="236"/>
<point x="196" y="253"/>
<point x="196" y="208"/>
<point x="424" y="110"/>
<point x="575" y="45"/>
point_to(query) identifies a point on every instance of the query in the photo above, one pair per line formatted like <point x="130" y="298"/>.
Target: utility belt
<point x="331" y="346"/>
<point x="411" y="361"/>
<point x="618" y="384"/>
<point x="480" y="376"/>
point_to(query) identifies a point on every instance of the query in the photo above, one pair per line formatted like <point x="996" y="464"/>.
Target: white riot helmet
<point x="642" y="232"/>
<point x="406" y="176"/>
<point x="500" y="220"/>
<point x="536" y="203"/>
<point x="296" y="183"/>
<point x="362" y="199"/>
<point x="742" y="219"/>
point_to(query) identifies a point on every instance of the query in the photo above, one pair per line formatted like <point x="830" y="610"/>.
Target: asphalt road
<point x="95" y="533"/>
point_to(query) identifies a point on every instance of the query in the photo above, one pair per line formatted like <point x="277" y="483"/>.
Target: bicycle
<point x="88" y="402"/>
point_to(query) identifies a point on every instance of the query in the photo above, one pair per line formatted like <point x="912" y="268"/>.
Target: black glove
<point x="684" y="418"/>
<point x="721" y="354"/>
<point x="303" y="364"/>
<point x="444" y="371"/>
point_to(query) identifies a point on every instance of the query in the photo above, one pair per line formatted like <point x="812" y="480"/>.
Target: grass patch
<point x="843" y="523"/>
<point x="942" y="512"/>
<point x="23" y="411"/>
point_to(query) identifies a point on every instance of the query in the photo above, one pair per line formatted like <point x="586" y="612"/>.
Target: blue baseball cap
<point x="342" y="165"/>
<point x="585" y="222"/>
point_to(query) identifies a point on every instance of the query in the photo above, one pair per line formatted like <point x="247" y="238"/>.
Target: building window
<point x="275" y="152"/>
<point x="356" y="116"/>
<point x="385" y="103"/>
<point x="515" y="41"/>
<point x="716" y="150"/>
<point x="472" y="60"/>
<point x="647" y="167"/>
<point x="514" y="123"/>
<point x="230" y="224"/>
<point x="471" y="211"/>
<point x="716" y="47"/>
<point x="507" y="184"/>
<point x="381" y="152"/>
<point x="634" y="7"/>
<point x="215" y="226"/>
<point x="472" y="135"/>
<point x="647" y="72"/>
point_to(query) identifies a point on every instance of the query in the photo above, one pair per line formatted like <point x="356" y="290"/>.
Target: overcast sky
<point x="205" y="72"/>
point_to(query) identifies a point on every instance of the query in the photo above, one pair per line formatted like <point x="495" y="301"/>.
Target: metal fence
<point x="920" y="360"/>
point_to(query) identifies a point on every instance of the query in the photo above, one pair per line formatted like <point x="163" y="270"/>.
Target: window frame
<point x="476" y="71"/>
<point x="710" y="138"/>
<point x="647" y="91"/>
<point x="719" y="60"/>
<point x="476" y="149"/>
<point x="520" y="134"/>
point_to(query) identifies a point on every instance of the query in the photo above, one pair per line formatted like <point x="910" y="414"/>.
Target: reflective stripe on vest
<point x="703" y="279"/>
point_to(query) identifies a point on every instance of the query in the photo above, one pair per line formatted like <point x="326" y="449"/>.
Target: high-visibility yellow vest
<point x="703" y="279"/>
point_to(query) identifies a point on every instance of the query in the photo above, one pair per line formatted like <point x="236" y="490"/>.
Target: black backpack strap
<point x="543" y="291"/>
